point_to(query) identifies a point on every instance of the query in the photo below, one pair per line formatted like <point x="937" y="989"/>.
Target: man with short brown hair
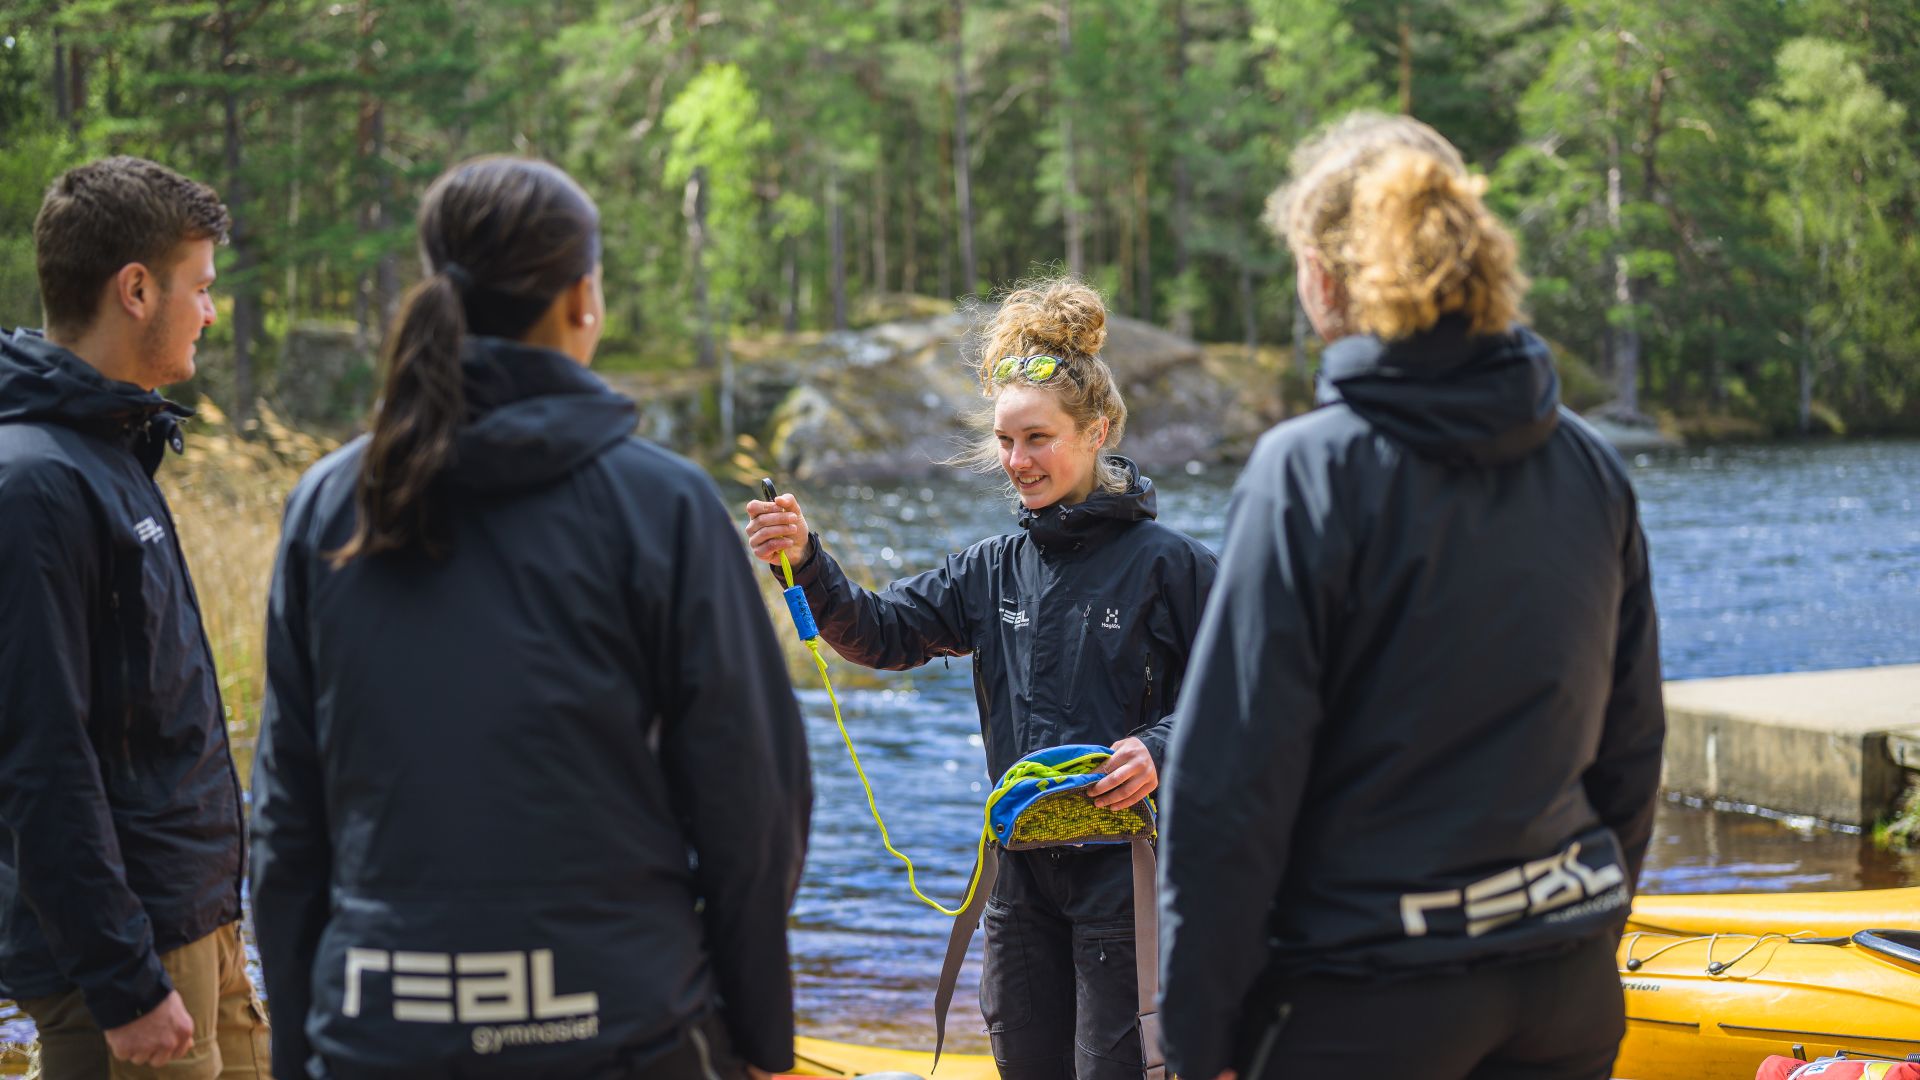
<point x="120" y="817"/>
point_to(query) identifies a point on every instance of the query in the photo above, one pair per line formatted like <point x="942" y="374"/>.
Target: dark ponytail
<point x="500" y="238"/>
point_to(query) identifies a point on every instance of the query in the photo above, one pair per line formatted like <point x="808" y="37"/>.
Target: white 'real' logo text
<point x="508" y="996"/>
<point x="472" y="988"/>
<point x="148" y="530"/>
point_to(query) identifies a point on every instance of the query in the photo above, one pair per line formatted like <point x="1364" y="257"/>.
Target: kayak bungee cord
<point x="809" y="631"/>
<point x="1716" y="967"/>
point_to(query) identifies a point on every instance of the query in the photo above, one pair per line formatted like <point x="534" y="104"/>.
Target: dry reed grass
<point x="227" y="493"/>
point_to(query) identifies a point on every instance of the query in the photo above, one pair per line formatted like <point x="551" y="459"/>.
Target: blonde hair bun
<point x="1062" y="316"/>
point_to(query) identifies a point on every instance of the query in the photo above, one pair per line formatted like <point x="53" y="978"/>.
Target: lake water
<point x="1765" y="558"/>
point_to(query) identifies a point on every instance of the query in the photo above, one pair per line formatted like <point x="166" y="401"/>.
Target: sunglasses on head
<point x="1037" y="368"/>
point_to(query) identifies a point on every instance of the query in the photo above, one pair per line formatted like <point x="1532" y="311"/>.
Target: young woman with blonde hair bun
<point x="1079" y="624"/>
<point x="1413" y="780"/>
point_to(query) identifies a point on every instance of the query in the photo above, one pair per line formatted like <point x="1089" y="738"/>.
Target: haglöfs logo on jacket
<point x="1112" y="621"/>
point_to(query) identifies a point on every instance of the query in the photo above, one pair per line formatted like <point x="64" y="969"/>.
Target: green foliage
<point x="1835" y="140"/>
<point x="32" y="160"/>
<point x="1744" y="167"/>
<point x="716" y="126"/>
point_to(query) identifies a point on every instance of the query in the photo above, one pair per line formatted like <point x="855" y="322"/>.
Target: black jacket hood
<point x="43" y="381"/>
<point x="1064" y="526"/>
<point x="534" y="414"/>
<point x="1448" y="394"/>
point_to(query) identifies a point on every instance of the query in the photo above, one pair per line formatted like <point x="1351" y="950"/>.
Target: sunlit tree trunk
<point x="962" y="161"/>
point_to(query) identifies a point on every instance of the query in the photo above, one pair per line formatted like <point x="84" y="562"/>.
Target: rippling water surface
<point x="1768" y="558"/>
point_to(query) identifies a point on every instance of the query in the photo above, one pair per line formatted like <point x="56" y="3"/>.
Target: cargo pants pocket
<point x="1107" y="1027"/>
<point x="1006" y="1000"/>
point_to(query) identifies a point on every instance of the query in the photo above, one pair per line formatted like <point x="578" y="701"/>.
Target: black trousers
<point x="1557" y="1018"/>
<point x="1058" y="986"/>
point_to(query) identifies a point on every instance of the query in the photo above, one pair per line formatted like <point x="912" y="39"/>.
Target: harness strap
<point x="986" y="867"/>
<point x="1146" y="956"/>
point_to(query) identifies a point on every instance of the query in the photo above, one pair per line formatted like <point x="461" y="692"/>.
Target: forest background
<point x="1716" y="201"/>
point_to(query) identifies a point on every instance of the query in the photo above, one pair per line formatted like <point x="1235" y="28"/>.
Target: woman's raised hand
<point x="774" y="527"/>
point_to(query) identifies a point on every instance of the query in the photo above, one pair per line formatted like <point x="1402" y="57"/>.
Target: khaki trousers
<point x="230" y="1037"/>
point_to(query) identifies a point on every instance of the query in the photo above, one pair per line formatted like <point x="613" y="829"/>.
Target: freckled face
<point x="1046" y="457"/>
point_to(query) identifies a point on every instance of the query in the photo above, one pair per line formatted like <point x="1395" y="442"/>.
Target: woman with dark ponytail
<point x="511" y="652"/>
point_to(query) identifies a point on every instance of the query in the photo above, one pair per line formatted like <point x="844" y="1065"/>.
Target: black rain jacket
<point x="1079" y="625"/>
<point x="1430" y="667"/>
<point x="120" y="820"/>
<point x="533" y="809"/>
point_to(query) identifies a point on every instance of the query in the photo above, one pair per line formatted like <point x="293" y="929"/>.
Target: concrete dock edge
<point x="1841" y="746"/>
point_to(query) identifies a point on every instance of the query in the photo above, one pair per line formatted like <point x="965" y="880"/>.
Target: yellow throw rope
<point x="980" y="850"/>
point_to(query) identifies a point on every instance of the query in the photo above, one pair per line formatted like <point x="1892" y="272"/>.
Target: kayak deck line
<point x="1824" y="1035"/>
<point x="1695" y="1024"/>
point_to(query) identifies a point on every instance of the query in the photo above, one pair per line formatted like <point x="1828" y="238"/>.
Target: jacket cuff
<point x="131" y="995"/>
<point x="1154" y="738"/>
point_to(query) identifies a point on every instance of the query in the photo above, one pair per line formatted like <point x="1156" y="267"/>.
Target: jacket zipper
<point x="213" y="668"/>
<point x="1072" y="672"/>
<point x="122" y="645"/>
<point x="986" y="712"/>
<point x="706" y="1055"/>
<point x="1258" y="1066"/>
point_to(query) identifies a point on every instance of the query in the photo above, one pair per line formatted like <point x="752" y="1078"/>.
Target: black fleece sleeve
<point x="1237" y="767"/>
<point x="1624" y="779"/>
<point x="736" y="752"/>
<point x="292" y="864"/>
<point x="1183" y="598"/>
<point x="53" y="800"/>
<point x="902" y="626"/>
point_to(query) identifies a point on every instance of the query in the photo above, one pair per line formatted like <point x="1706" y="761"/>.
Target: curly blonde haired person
<point x="1390" y="233"/>
<point x="1429" y="677"/>
<point x="1079" y="622"/>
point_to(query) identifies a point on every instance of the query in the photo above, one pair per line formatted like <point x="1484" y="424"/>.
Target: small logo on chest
<point x="1013" y="616"/>
<point x="1112" y="621"/>
<point x="148" y="530"/>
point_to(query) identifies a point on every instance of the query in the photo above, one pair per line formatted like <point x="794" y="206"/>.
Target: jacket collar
<point x="1094" y="520"/>
<point x="41" y="381"/>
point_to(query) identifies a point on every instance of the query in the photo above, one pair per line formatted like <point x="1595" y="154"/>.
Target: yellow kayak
<point x="817" y="1057"/>
<point x="1823" y="913"/>
<point x="1713" y="1007"/>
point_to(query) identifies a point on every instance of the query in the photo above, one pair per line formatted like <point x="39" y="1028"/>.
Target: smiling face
<point x="182" y="308"/>
<point x="1046" y="457"/>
